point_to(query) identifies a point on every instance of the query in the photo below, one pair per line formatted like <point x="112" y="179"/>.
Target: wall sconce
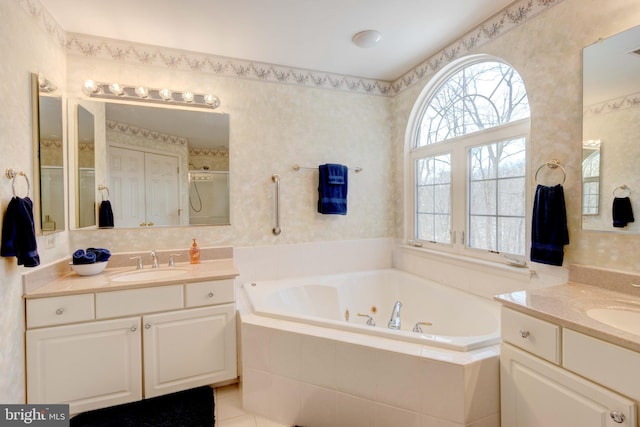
<point x="145" y="94"/>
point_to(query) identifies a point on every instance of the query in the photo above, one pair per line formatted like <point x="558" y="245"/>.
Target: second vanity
<point x="125" y="335"/>
<point x="570" y="357"/>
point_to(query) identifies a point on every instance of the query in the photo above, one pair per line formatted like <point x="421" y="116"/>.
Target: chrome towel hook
<point x="12" y="174"/>
<point x="102" y="188"/>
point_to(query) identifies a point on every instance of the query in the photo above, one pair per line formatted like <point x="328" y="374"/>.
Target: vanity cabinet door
<point x="189" y="348"/>
<point x="88" y="366"/>
<point x="536" y="393"/>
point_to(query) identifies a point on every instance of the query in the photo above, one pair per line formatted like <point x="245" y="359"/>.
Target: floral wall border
<point x="621" y="103"/>
<point x="81" y="44"/>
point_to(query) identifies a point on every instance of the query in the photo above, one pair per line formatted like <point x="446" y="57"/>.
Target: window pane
<point x="482" y="232"/>
<point x="511" y="197"/>
<point x="511" y="235"/>
<point x="497" y="196"/>
<point x="433" y="198"/>
<point x="482" y="198"/>
<point x="480" y="96"/>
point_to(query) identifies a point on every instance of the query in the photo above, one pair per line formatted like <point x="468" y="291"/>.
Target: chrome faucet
<point x="154" y="255"/>
<point x="394" y="322"/>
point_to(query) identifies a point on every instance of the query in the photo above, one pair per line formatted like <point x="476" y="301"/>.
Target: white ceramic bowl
<point x="89" y="269"/>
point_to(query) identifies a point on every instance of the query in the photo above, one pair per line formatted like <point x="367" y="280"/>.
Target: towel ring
<point x="12" y="174"/>
<point x="553" y="165"/>
<point x="102" y="188"/>
<point x="623" y="187"/>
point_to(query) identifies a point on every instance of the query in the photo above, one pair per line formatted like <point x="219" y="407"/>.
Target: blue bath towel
<point x="332" y="189"/>
<point x="101" y="254"/>
<point x="105" y="215"/>
<point x="549" y="232"/>
<point x="82" y="257"/>
<point x="18" y="233"/>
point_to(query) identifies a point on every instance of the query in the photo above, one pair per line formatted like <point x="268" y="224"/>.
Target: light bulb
<point x="165" y="94"/>
<point x="90" y="88"/>
<point x="212" y="100"/>
<point x="116" y="89"/>
<point x="187" y="96"/>
<point x="142" y="91"/>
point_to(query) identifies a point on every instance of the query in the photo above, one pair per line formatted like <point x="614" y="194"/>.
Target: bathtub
<point x="449" y="318"/>
<point x="307" y="358"/>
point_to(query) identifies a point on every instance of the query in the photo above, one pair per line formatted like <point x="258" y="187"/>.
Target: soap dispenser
<point x="194" y="253"/>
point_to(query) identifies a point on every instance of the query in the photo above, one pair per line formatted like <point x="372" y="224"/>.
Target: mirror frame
<point x="36" y="186"/>
<point x="72" y="106"/>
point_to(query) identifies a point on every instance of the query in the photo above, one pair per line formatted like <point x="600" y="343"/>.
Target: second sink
<point x="148" y="275"/>
<point x="623" y="318"/>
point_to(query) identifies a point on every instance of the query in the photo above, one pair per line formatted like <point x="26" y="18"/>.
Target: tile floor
<point x="229" y="412"/>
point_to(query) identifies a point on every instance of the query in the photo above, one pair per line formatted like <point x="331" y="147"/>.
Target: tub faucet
<point x="154" y="255"/>
<point x="394" y="322"/>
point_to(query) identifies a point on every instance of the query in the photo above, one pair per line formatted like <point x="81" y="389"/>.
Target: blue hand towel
<point x="82" y="257"/>
<point x="332" y="189"/>
<point x="549" y="231"/>
<point x="622" y="212"/>
<point x="19" y="234"/>
<point x="100" y="253"/>
<point x="105" y="215"/>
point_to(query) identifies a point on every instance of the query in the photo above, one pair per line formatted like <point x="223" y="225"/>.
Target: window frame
<point x="459" y="149"/>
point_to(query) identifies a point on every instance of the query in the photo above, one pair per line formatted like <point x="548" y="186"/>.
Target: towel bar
<point x="297" y="168"/>
<point x="276" y="180"/>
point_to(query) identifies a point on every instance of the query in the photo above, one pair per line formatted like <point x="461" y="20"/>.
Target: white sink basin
<point x="149" y="275"/>
<point x="625" y="319"/>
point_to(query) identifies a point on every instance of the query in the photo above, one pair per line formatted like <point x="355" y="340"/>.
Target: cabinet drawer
<point x="605" y="363"/>
<point x="136" y="301"/>
<point x="209" y="293"/>
<point x="59" y="310"/>
<point x="531" y="334"/>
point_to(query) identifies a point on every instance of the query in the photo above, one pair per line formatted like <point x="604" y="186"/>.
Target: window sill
<point x="501" y="269"/>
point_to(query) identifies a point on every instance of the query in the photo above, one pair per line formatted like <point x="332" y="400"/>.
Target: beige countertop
<point x="72" y="283"/>
<point x="566" y="305"/>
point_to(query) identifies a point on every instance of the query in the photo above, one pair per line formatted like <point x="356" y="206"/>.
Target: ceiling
<point x="307" y="34"/>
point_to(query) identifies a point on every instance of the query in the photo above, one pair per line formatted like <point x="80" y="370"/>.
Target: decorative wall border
<point x="153" y="135"/>
<point x="627" y="101"/>
<point x="117" y="50"/>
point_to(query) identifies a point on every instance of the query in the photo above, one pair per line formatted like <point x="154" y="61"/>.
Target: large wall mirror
<point x="49" y="157"/>
<point x="152" y="166"/>
<point x="611" y="134"/>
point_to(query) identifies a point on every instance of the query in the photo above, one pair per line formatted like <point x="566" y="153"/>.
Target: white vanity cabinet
<point x="108" y="348"/>
<point x="537" y="390"/>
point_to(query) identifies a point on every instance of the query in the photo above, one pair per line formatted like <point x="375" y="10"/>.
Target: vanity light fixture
<point x="141" y="93"/>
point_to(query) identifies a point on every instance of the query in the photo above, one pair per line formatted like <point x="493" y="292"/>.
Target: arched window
<point x="467" y="153"/>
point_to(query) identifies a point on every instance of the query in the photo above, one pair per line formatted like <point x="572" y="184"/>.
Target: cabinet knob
<point x="524" y="333"/>
<point x="134" y="328"/>
<point x="147" y="325"/>
<point x="210" y="294"/>
<point x="60" y="311"/>
<point x="617" y="417"/>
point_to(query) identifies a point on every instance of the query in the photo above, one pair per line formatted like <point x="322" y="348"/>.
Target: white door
<point x="89" y="366"/>
<point x="535" y="393"/>
<point x="161" y="184"/>
<point x="126" y="186"/>
<point x="189" y="348"/>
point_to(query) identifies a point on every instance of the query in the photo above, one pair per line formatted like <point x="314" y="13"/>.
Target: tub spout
<point x="394" y="322"/>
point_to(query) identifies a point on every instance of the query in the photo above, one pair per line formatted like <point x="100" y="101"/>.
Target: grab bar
<point x="276" y="180"/>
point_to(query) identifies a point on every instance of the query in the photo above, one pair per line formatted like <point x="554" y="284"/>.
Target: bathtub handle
<point x="370" y="321"/>
<point x="276" y="180"/>
<point x="524" y="333"/>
